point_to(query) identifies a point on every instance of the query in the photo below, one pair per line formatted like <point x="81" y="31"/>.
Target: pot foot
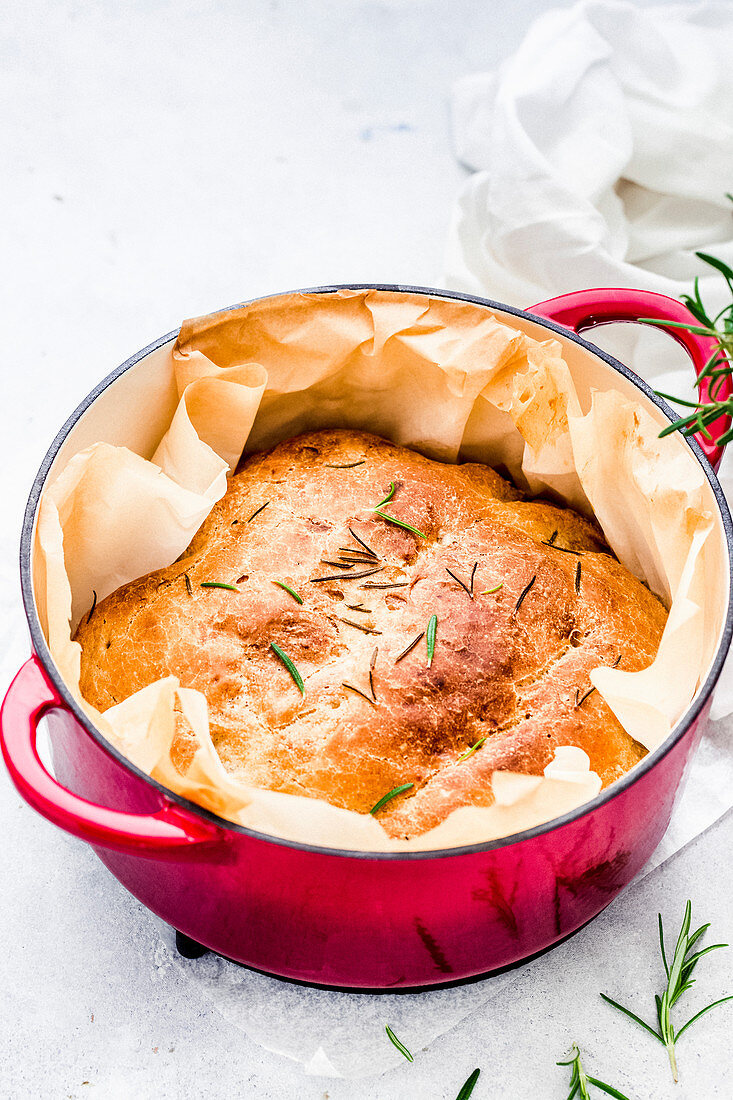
<point x="189" y="948"/>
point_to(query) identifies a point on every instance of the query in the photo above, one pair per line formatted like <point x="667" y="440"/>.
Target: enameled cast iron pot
<point x="354" y="919"/>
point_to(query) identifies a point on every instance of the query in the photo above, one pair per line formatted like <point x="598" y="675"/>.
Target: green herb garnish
<point x="290" y="667"/>
<point x="219" y="584"/>
<point x="718" y="367"/>
<point x="395" y="790"/>
<point x="400" y="1046"/>
<point x="579" y="1080"/>
<point x="390" y="494"/>
<point x="490" y="591"/>
<point x="293" y="593"/>
<point x="580" y="699"/>
<point x="679" y="980"/>
<point x="463" y="585"/>
<point x="430" y="637"/>
<point x="468" y="1086"/>
<point x="363" y="694"/>
<point x="351" y="577"/>
<point x="260" y="509"/>
<point x="359" y="626"/>
<point x="410" y="647"/>
<point x="399" y="523"/>
<point x="362" y="543"/>
<point x="523" y="594"/>
<point x="469" y="752"/>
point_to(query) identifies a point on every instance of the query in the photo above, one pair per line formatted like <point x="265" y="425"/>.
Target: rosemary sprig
<point x="293" y="593"/>
<point x="290" y="667"/>
<point x="395" y="790"/>
<point x="679" y="980"/>
<point x="260" y="509"/>
<point x="464" y="586"/>
<point x="363" y="694"/>
<point x="430" y="637"/>
<point x="468" y="1085"/>
<point x="579" y="1080"/>
<point x="469" y="752"/>
<point x="219" y="584"/>
<point x="410" y="647"/>
<point x="400" y="1046"/>
<point x="718" y="367"/>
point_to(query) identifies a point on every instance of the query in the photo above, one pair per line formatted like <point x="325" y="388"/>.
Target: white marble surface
<point x="162" y="160"/>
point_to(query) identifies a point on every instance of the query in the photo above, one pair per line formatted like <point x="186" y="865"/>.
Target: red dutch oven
<point x="357" y="920"/>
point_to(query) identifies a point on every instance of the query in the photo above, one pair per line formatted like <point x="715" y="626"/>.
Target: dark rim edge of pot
<point x="613" y="791"/>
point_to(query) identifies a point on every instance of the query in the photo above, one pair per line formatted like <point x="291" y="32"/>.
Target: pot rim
<point x="618" y="787"/>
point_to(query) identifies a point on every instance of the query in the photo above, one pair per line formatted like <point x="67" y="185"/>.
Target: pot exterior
<point x="362" y="921"/>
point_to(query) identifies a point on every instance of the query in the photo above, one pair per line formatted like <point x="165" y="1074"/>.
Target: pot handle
<point x="584" y="309"/>
<point x="171" y="833"/>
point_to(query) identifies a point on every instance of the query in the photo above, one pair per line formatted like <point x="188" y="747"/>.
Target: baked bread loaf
<point x="523" y="598"/>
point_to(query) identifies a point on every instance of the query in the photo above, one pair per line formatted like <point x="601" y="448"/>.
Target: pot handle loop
<point x="171" y="833"/>
<point x="584" y="309"/>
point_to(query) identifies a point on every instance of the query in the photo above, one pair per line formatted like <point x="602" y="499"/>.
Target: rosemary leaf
<point x="219" y="584"/>
<point x="430" y="637"/>
<point x="362" y="543"/>
<point x="293" y="593"/>
<point x="188" y="584"/>
<point x="359" y="607"/>
<point x="395" y="790"/>
<point x="468" y="1085"/>
<point x="579" y="1079"/>
<point x="523" y="594"/>
<point x="577" y="577"/>
<point x="399" y="523"/>
<point x="345" y="465"/>
<point x="372" y="663"/>
<point x="469" y="752"/>
<point x="337" y="564"/>
<point x="562" y="549"/>
<point x="350" y="577"/>
<point x="580" y="699"/>
<point x="94" y="604"/>
<point x="400" y="1046"/>
<point x="290" y="667"/>
<point x="473" y="575"/>
<point x="260" y="509"/>
<point x="410" y="647"/>
<point x="462" y="584"/>
<point x="359" y="692"/>
<point x="490" y="591"/>
<point x="390" y="494"/>
<point x="396" y="584"/>
<point x="360" y="626"/>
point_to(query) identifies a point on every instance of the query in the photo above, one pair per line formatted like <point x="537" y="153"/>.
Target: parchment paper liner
<point x="449" y="379"/>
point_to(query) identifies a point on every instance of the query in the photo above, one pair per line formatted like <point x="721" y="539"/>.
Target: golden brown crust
<point x="513" y="673"/>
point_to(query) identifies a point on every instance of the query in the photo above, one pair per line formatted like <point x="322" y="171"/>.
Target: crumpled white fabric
<point x="601" y="153"/>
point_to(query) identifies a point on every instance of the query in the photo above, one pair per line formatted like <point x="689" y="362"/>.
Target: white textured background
<point x="161" y="160"/>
